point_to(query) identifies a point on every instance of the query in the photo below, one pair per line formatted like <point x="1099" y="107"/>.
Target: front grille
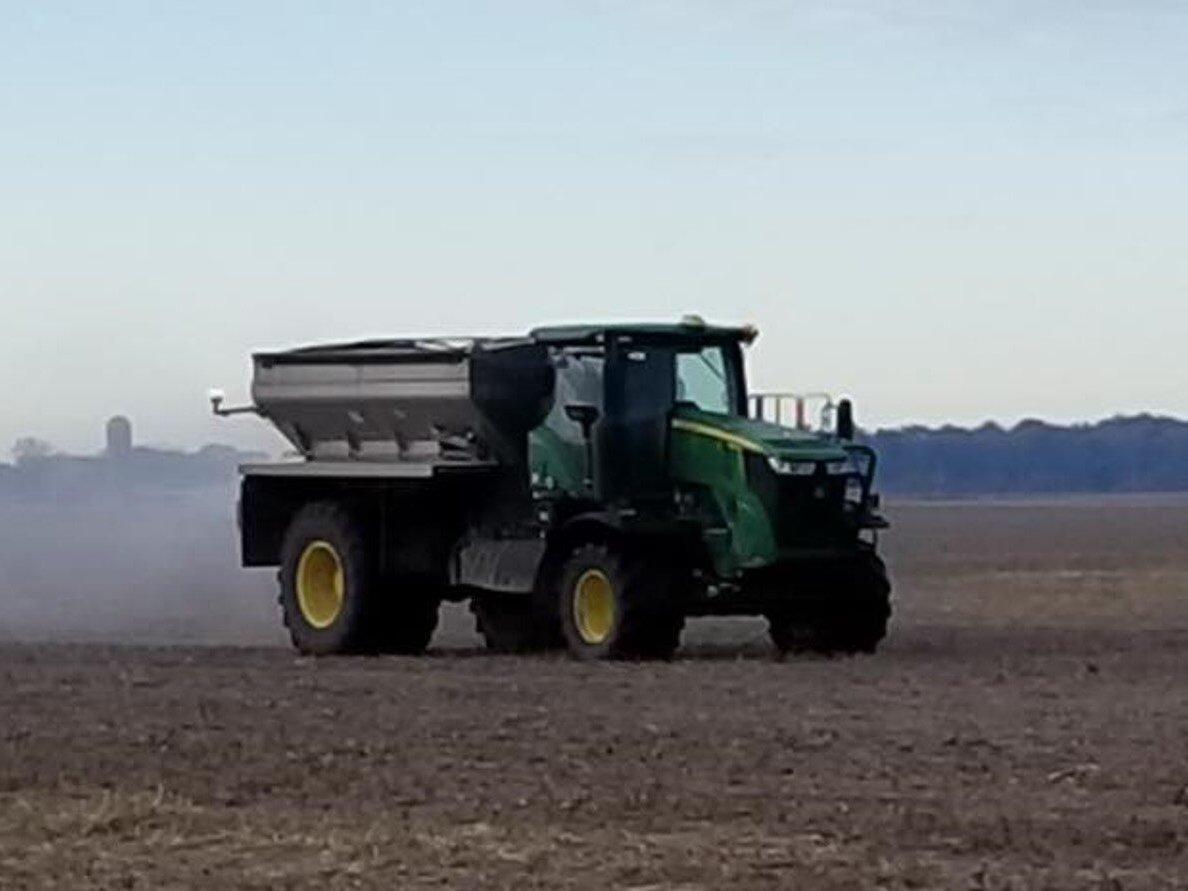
<point x="806" y="511"/>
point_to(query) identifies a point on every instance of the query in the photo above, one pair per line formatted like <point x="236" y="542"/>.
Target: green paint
<point x="737" y="531"/>
<point x="706" y="459"/>
<point x="763" y="436"/>
<point x="556" y="460"/>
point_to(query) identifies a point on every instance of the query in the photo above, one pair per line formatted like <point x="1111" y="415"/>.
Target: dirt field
<point x="1024" y="727"/>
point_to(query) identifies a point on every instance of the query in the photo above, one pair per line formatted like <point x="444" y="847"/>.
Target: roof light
<point x="692" y="320"/>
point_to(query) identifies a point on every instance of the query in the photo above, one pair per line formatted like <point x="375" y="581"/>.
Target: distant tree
<point x="30" y="448"/>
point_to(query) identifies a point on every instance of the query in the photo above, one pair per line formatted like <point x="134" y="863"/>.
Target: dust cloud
<point x="95" y="558"/>
<point x="136" y="567"/>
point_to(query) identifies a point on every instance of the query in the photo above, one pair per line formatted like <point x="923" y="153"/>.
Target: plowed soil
<point x="1025" y="726"/>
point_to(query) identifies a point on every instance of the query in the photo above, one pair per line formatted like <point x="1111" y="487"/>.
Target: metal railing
<point x="795" y="410"/>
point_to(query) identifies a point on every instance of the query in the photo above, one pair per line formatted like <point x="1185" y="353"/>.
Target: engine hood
<point x="757" y="436"/>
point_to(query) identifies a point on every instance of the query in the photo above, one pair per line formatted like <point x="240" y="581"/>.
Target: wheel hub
<point x="321" y="584"/>
<point x="594" y="606"/>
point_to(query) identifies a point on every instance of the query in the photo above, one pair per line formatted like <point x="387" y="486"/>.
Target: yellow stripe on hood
<point x="733" y="439"/>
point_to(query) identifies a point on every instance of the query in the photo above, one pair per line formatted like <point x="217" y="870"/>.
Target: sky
<point x="950" y="211"/>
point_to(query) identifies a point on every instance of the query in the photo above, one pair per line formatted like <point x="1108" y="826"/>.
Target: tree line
<point x="1126" y="454"/>
<point x="1143" y="453"/>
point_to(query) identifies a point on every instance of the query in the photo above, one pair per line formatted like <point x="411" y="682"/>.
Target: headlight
<point x="840" y="467"/>
<point x="792" y="468"/>
<point x="854" y="490"/>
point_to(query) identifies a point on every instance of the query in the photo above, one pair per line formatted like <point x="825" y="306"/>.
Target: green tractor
<point x="590" y="485"/>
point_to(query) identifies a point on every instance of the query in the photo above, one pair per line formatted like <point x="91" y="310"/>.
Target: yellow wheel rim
<point x="321" y="585"/>
<point x="594" y="606"/>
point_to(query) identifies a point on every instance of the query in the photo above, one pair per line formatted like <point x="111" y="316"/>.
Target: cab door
<point x="633" y="437"/>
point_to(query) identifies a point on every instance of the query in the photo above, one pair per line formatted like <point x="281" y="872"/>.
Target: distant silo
<point x="119" y="436"/>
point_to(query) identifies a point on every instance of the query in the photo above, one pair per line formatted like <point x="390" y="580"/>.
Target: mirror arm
<point x="586" y="416"/>
<point x="217" y="408"/>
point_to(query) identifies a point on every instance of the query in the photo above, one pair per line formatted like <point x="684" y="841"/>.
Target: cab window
<point x="703" y="380"/>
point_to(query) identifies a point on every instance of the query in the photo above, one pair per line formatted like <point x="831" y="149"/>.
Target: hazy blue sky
<point x="950" y="210"/>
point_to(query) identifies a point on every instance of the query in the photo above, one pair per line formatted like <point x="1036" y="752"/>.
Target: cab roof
<point x="691" y="331"/>
<point x="452" y="349"/>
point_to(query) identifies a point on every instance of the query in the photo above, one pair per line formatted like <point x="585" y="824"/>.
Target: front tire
<point x="849" y="613"/>
<point x="614" y="605"/>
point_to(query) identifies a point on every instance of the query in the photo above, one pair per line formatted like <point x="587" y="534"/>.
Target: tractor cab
<point x="618" y="391"/>
<point x="657" y="419"/>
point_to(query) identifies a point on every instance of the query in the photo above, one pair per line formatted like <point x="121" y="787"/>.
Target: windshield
<point x="703" y="380"/>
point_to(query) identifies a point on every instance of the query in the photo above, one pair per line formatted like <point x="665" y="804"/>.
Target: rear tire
<point x="511" y="623"/>
<point x="794" y="634"/>
<point x="333" y="599"/>
<point x="327" y="595"/>
<point x="613" y="604"/>
<point x="406" y="617"/>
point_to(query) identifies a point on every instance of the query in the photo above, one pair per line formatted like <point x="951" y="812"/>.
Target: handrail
<point x="777" y="406"/>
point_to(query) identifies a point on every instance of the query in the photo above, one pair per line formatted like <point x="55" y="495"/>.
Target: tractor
<point x="582" y="486"/>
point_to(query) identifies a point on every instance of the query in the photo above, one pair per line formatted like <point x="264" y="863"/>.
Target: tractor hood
<point x="761" y="437"/>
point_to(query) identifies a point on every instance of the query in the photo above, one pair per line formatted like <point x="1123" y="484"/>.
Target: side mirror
<point x="586" y="415"/>
<point x="845" y="420"/>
